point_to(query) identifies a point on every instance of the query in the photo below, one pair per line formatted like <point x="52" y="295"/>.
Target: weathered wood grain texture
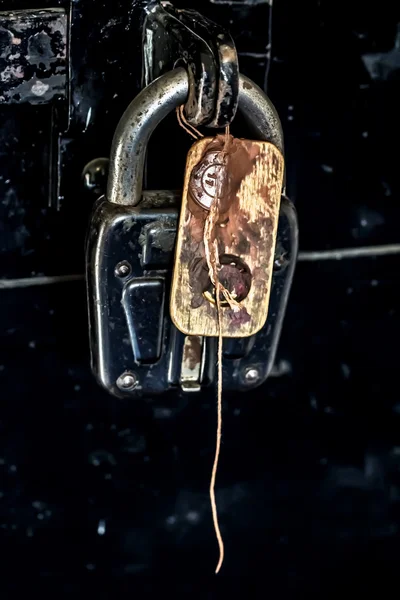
<point x="246" y="229"/>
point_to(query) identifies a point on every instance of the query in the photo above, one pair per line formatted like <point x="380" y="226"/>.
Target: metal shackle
<point x="151" y="106"/>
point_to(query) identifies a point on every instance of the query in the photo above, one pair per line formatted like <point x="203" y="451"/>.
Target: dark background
<point x="102" y="495"/>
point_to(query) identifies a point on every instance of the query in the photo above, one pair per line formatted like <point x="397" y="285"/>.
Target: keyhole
<point x="235" y="276"/>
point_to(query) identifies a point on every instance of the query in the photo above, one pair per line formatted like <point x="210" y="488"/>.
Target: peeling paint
<point x="33" y="48"/>
<point x="39" y="88"/>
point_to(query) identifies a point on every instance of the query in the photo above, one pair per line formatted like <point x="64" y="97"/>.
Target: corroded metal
<point x="33" y="56"/>
<point x="174" y="37"/>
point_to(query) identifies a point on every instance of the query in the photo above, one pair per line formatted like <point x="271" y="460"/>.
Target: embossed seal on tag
<point x="204" y="179"/>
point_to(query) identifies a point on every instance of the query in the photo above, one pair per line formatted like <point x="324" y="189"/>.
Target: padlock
<point x="129" y="256"/>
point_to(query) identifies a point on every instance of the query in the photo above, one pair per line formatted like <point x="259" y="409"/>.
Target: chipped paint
<point x="33" y="59"/>
<point x="39" y="88"/>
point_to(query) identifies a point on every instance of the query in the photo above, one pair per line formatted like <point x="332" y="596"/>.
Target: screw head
<point x="123" y="269"/>
<point x="94" y="175"/>
<point x="127" y="381"/>
<point x="251" y="374"/>
<point x="280" y="261"/>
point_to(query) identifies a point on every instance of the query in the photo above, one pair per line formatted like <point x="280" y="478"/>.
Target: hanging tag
<point x="245" y="177"/>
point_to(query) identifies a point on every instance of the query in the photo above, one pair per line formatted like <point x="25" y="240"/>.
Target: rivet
<point x="127" y="381"/>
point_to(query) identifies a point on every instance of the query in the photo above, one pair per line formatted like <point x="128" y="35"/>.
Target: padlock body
<point x="130" y="254"/>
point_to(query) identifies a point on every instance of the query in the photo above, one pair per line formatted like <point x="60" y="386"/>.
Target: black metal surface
<point x="109" y="497"/>
<point x="223" y="48"/>
<point x="185" y="37"/>
<point x="124" y="234"/>
<point x="41" y="162"/>
<point x="34" y="70"/>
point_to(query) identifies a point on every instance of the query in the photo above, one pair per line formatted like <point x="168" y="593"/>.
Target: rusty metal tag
<point x="245" y="177"/>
